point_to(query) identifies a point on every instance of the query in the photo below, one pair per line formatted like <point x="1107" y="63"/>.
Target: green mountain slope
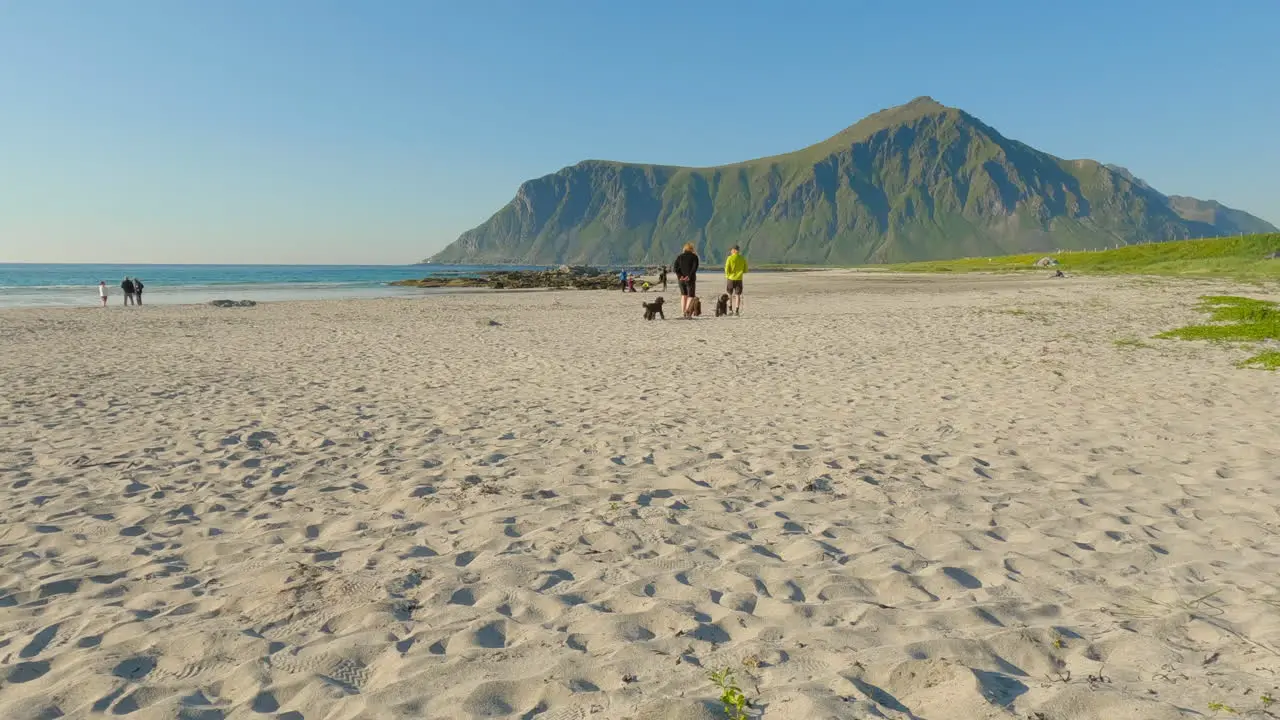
<point x="921" y="181"/>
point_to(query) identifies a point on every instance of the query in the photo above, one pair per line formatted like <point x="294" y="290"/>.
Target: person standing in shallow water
<point x="127" y="287"/>
<point x="137" y="291"/>
<point x="102" y="291"/>
<point x="686" y="269"/>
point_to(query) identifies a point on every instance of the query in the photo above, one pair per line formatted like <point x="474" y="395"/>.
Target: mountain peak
<point x="924" y="102"/>
<point x="906" y="114"/>
<point x="919" y="107"/>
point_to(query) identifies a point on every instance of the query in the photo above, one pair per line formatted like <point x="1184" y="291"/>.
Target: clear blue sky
<point x="377" y="130"/>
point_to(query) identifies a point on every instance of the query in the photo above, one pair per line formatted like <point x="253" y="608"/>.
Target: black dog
<point x="722" y="306"/>
<point x="652" y="309"/>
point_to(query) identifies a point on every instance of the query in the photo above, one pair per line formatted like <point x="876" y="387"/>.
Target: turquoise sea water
<point x="58" y="285"/>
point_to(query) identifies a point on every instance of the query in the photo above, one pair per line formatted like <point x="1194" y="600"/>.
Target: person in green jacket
<point x="735" y="266"/>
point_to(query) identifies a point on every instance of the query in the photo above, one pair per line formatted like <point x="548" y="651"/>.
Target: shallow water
<point x="75" y="285"/>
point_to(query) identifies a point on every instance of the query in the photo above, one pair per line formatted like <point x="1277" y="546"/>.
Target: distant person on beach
<point x="631" y="283"/>
<point x="102" y="291"/>
<point x="735" y="266"/>
<point x="622" y="280"/>
<point x="662" y="277"/>
<point x="137" y="291"/>
<point x="686" y="269"/>
<point x="127" y="286"/>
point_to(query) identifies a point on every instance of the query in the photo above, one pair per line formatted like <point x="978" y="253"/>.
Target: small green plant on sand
<point x="1222" y="707"/>
<point x="1059" y="642"/>
<point x="1031" y="315"/>
<point x="731" y="696"/>
<point x="1131" y="344"/>
<point x="1266" y="700"/>
<point x="1237" y="319"/>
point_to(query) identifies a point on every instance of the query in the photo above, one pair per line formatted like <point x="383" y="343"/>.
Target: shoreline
<point x="707" y="281"/>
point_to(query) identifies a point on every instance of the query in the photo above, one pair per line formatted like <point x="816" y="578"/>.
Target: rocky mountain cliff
<point x="921" y="181"/>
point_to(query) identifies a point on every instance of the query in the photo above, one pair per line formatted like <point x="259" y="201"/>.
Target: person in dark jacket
<point x="127" y="286"/>
<point x="686" y="270"/>
<point x="662" y="277"/>
<point x="137" y="291"/>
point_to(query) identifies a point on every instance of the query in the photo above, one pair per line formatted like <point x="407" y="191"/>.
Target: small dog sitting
<point x="652" y="309"/>
<point x="695" y="307"/>
<point x="722" y="306"/>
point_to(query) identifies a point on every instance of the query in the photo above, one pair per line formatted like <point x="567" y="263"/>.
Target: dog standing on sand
<point x="695" y="307"/>
<point x="652" y="309"/>
<point x="722" y="305"/>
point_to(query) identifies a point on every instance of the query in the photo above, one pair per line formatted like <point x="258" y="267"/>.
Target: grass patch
<point x="1239" y="257"/>
<point x="1237" y="319"/>
<point x="1269" y="360"/>
<point x="1027" y="315"/>
<point x="1131" y="344"/>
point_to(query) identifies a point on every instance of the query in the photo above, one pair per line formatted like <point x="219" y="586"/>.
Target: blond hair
<point x="688" y="247"/>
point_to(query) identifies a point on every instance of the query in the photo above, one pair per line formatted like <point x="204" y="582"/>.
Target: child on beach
<point x="102" y="291"/>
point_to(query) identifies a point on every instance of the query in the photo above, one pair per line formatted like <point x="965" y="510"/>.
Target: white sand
<point x="918" y="497"/>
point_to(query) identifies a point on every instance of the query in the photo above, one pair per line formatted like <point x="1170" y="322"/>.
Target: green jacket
<point x="735" y="266"/>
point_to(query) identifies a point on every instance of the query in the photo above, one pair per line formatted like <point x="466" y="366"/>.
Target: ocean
<point x="59" y="285"/>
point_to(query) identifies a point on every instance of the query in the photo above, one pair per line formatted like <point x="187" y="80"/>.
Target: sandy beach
<point x="870" y="496"/>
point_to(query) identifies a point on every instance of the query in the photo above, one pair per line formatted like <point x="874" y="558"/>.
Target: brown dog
<point x="653" y="308"/>
<point x="695" y="307"/>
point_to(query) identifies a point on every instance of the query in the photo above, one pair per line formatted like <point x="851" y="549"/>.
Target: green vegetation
<point x="1266" y="360"/>
<point x="731" y="696"/>
<point x="921" y="181"/>
<point x="1237" y="319"/>
<point x="1240" y="257"/>
<point x="1131" y="344"/>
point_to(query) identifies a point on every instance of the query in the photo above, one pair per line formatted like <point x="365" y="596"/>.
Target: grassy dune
<point x="1242" y="257"/>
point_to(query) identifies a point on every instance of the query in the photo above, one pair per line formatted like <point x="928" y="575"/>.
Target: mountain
<point x="1219" y="219"/>
<point x="921" y="181"/>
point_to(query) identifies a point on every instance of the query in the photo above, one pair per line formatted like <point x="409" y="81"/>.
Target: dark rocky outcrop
<point x="232" y="303"/>
<point x="574" y="278"/>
